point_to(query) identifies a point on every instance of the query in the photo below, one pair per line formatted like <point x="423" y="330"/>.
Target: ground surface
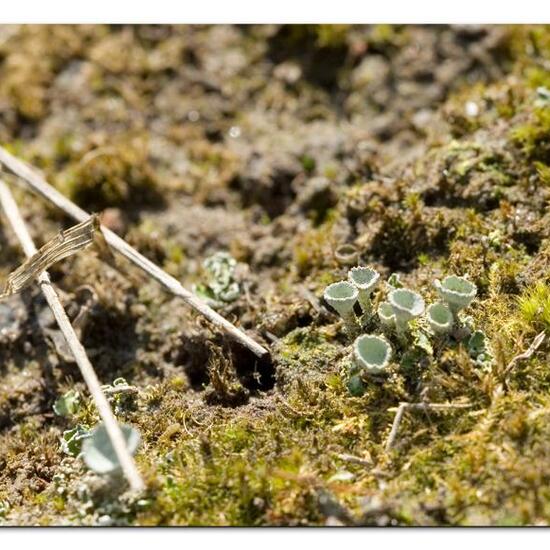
<point x="425" y="148"/>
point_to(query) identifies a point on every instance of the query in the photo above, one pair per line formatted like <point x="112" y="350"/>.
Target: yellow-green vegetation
<point x="534" y="305"/>
<point x="110" y="175"/>
<point x="534" y="135"/>
<point x="423" y="150"/>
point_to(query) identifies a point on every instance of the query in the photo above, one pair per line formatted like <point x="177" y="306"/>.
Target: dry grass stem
<point x="535" y="345"/>
<point x="126" y="461"/>
<point x="367" y="462"/>
<point x="39" y="185"/>
<point x="400" y="411"/>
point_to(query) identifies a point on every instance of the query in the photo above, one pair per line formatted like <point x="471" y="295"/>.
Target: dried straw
<point x="117" y="439"/>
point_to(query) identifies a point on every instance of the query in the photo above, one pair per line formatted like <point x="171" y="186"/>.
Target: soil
<point x="425" y="149"/>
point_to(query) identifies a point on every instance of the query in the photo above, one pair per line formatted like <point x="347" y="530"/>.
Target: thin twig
<point x="355" y="459"/>
<point x="395" y="426"/>
<point x="113" y="390"/>
<point x="400" y="411"/>
<point x="433" y="406"/>
<point x="290" y="407"/>
<point x="40" y="186"/>
<point x="535" y="345"/>
<point x="119" y="445"/>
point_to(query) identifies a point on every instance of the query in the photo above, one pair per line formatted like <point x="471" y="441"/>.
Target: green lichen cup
<point x="98" y="451"/>
<point x="372" y="354"/>
<point x="365" y="280"/>
<point x="406" y="305"/>
<point x="456" y="292"/>
<point x="439" y="318"/>
<point x="342" y="296"/>
<point x="386" y="315"/>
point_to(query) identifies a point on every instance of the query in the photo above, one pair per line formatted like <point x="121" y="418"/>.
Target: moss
<point x="534" y="136"/>
<point x="313" y="249"/>
<point x="467" y="473"/>
<point x="534" y="306"/>
<point x="112" y="175"/>
<point x="537" y="76"/>
<point x="543" y="172"/>
<point x="304" y="352"/>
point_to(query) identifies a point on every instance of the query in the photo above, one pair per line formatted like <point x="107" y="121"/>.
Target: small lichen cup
<point x="342" y="296"/>
<point x="372" y="354"/>
<point x="386" y="315"/>
<point x="406" y="305"/>
<point x="439" y="318"/>
<point x="365" y="280"/>
<point x="98" y="451"/>
<point x="456" y="292"/>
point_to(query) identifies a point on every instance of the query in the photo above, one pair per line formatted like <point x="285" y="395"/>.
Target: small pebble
<point x="104" y="521"/>
<point x="471" y="109"/>
<point x="193" y="116"/>
<point x="234" y="132"/>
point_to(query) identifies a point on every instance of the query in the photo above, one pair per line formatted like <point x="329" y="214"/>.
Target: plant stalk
<point x="32" y="179"/>
<point x="88" y="373"/>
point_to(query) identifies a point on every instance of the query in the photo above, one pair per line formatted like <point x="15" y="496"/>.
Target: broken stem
<point x="400" y="411"/>
<point x="535" y="345"/>
<point x="117" y="439"/>
<point x="395" y="425"/>
<point x="40" y="186"/>
<point x="120" y="389"/>
<point x="355" y="459"/>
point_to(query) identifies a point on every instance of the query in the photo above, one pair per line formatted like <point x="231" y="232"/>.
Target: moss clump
<point x="543" y="172"/>
<point x="304" y="353"/>
<point x="212" y="483"/>
<point x="534" y="306"/>
<point x="498" y="461"/>
<point x="26" y="77"/>
<point x="313" y="249"/>
<point x="534" y="136"/>
<point x="112" y="175"/>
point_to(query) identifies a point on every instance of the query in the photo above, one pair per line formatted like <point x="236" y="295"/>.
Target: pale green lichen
<point x="372" y="354"/>
<point x="407" y="305"/>
<point x="220" y="286"/>
<point x="342" y="296"/>
<point x="440" y="318"/>
<point x="456" y="292"/>
<point x="365" y="280"/>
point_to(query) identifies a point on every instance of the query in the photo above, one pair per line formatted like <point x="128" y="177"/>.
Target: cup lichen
<point x="406" y="305"/>
<point x="456" y="292"/>
<point x="98" y="451"/>
<point x="386" y="315"/>
<point x="342" y="296"/>
<point x="439" y="318"/>
<point x="371" y="353"/>
<point x="365" y="280"/>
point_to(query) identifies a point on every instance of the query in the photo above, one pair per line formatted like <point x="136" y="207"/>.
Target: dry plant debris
<point x="78" y="234"/>
<point x="66" y="243"/>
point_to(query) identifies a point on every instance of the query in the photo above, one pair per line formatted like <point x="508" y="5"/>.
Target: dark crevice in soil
<point x="530" y="240"/>
<point x="320" y="64"/>
<point x="193" y="357"/>
<point x="443" y="198"/>
<point x="112" y="337"/>
<point x="198" y="356"/>
<point x="274" y="193"/>
<point x="258" y="375"/>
